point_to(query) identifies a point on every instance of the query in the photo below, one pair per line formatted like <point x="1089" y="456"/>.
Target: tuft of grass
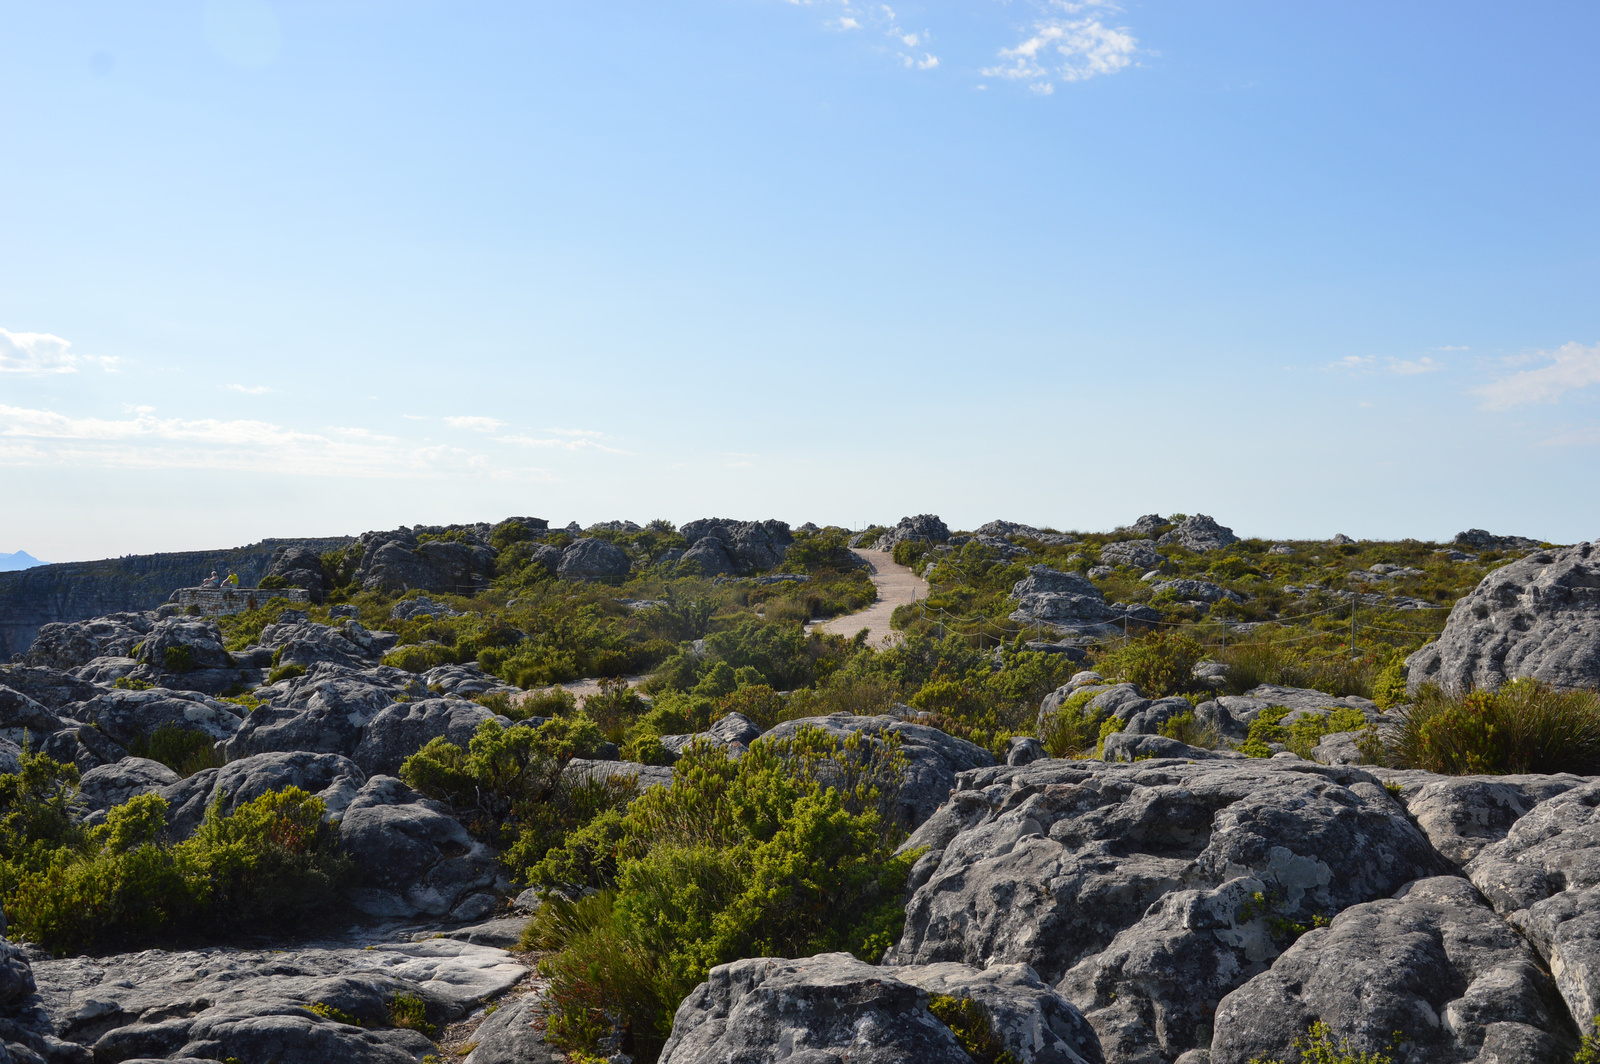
<point x="1318" y="1047"/>
<point x="1524" y="726"/>
<point x="1253" y="664"/>
<point x="1186" y="729"/>
<point x="411" y="1012"/>
<point x="285" y="672"/>
<point x="182" y="750"/>
<point x="969" y="1022"/>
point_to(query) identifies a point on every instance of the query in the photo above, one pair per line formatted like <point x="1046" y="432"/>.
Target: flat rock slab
<point x="253" y="1004"/>
<point x="833" y="1008"/>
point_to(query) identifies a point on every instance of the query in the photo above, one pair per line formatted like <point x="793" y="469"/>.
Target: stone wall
<point x="76" y="591"/>
<point x="218" y="601"/>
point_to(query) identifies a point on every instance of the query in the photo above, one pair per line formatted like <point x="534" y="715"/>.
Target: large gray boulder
<point x="24" y="721"/>
<point x="300" y="566"/>
<point x="113" y="784"/>
<point x="1066" y="866"/>
<point x="1537" y="617"/>
<point x="181" y="644"/>
<point x="330" y="777"/>
<point x="400" y="730"/>
<point x="66" y="645"/>
<point x="1196" y="590"/>
<point x="514" y="1034"/>
<point x="1059" y="599"/>
<point x="324" y="711"/>
<point x="750" y="545"/>
<point x="1433" y="962"/>
<point x="126" y="716"/>
<point x="1199" y="533"/>
<point x="593" y="559"/>
<point x="1544" y="878"/>
<point x="306" y="643"/>
<point x="1134" y="553"/>
<point x="932" y="758"/>
<point x="255" y="1005"/>
<point x="1463" y="814"/>
<point x="397" y="561"/>
<point x="734" y="732"/>
<point x="417" y="860"/>
<point x="710" y="554"/>
<point x="833" y="1008"/>
<point x="52" y="688"/>
<point x="925" y="527"/>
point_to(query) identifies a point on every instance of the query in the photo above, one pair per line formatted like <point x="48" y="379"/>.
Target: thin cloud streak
<point x="1572" y="367"/>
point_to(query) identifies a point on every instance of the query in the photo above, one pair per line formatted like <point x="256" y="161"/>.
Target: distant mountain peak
<point x="20" y="560"/>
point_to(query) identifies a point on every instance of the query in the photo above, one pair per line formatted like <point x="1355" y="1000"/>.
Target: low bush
<point x="508" y="786"/>
<point x="1186" y="729"/>
<point x="183" y="750"/>
<point x="1334" y="673"/>
<point x="1318" y="1047"/>
<point x="787" y="851"/>
<point x="1524" y="726"/>
<point x="1160" y="664"/>
<point x="270" y="863"/>
<point x="420" y="657"/>
<point x="1073" y="729"/>
<point x="969" y="1021"/>
<point x="284" y="672"/>
<point x="411" y="1012"/>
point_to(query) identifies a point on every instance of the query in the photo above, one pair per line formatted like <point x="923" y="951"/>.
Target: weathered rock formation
<point x="1537" y="617"/>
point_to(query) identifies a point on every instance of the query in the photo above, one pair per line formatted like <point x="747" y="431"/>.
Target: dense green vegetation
<point x="787" y="851"/>
<point x="1524" y="726"/>
<point x="268" y="864"/>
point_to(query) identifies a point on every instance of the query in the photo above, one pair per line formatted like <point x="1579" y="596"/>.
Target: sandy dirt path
<point x="897" y="585"/>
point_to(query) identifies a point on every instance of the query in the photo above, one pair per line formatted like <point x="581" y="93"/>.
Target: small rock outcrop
<point x="399" y="561"/>
<point x="750" y="546"/>
<point x="300" y="566"/>
<point x="593" y="559"/>
<point x="1135" y="553"/>
<point x="1478" y="539"/>
<point x="1538" y="617"/>
<point x="833" y="1007"/>
<point x="1199" y="533"/>
<point x="926" y="527"/>
<point x="1433" y="962"/>
<point x="710" y="554"/>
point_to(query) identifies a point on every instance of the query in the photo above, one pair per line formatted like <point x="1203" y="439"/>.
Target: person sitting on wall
<point x="210" y="581"/>
<point x="233" y="579"/>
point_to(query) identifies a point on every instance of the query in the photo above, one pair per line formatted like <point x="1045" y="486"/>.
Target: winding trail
<point x="896" y="584"/>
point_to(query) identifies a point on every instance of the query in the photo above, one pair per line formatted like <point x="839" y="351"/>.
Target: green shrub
<point x="1317" y="1047"/>
<point x="179" y="659"/>
<point x="37" y="827"/>
<point x="969" y="1022"/>
<point x="1073" y="729"/>
<point x="1265" y="729"/>
<point x="613" y="708"/>
<point x="752" y="857"/>
<point x="1304" y="734"/>
<point x="273" y="583"/>
<point x="128" y="683"/>
<point x="1524" y="726"/>
<point x="1336" y="674"/>
<point x="328" y="1012"/>
<point x="270" y="863"/>
<point x="1108" y="727"/>
<point x="284" y="672"/>
<point x="1589" y="1048"/>
<point x="1184" y="728"/>
<point x="1160" y="664"/>
<point x="1389" y="687"/>
<point x="183" y="750"/>
<point x="508" y="787"/>
<point x="551" y="702"/>
<point x="420" y="657"/>
<point x="411" y="1012"/>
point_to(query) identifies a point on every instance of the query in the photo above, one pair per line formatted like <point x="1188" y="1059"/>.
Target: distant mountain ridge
<point x="74" y="591"/>
<point x="10" y="563"/>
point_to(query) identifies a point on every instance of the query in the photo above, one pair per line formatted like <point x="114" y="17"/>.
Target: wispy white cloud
<point x="579" y="443"/>
<point x="1587" y="436"/>
<point x="251" y="389"/>
<point x="1404" y="367"/>
<point x="475" y="424"/>
<point x="1067" y="49"/>
<point x="591" y="433"/>
<point x="1569" y="368"/>
<point x="853" y="15"/>
<point x="39" y="353"/>
<point x="144" y="441"/>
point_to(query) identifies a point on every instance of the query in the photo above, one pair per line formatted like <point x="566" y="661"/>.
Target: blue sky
<point x="274" y="268"/>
